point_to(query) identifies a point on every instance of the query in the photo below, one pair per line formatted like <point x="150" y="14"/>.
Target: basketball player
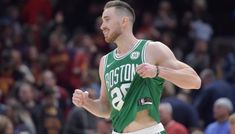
<point x="132" y="76"/>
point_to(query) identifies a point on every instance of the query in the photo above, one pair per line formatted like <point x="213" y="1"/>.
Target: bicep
<point x="174" y="64"/>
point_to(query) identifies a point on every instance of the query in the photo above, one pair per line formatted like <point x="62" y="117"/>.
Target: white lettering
<point x="111" y="78"/>
<point x="116" y="75"/>
<point x="117" y="101"/>
<point x="121" y="72"/>
<point x="124" y="73"/>
<point x="127" y="72"/>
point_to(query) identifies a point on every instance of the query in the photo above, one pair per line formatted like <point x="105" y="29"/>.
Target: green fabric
<point x="163" y="132"/>
<point x="125" y="88"/>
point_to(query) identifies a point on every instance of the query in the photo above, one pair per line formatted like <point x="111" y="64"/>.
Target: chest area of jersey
<point x="118" y="75"/>
<point x="123" y="70"/>
<point x="118" y="81"/>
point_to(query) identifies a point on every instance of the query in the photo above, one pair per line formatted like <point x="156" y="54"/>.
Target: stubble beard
<point x="113" y="36"/>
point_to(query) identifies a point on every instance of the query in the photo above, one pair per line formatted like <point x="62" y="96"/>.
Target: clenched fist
<point x="147" y="70"/>
<point x="79" y="98"/>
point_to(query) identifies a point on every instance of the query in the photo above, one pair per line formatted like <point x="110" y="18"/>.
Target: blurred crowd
<point x="48" y="48"/>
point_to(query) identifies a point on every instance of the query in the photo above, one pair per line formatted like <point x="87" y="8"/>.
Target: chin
<point x="108" y="40"/>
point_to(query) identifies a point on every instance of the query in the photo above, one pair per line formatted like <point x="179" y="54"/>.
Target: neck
<point x="125" y="42"/>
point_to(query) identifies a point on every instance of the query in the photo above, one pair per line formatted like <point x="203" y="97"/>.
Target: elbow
<point x="193" y="84"/>
<point x="197" y="83"/>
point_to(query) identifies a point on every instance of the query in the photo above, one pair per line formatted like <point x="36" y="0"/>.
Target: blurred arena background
<point x="48" y="48"/>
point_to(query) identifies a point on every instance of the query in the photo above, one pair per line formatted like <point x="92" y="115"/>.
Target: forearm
<point x="98" y="108"/>
<point x="185" y="78"/>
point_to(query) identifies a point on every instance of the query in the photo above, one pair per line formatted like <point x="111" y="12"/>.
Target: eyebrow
<point x="105" y="17"/>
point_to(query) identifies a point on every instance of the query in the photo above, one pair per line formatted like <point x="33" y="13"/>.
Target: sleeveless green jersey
<point x="129" y="93"/>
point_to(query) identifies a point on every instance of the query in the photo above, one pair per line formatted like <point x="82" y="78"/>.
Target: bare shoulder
<point x="156" y="51"/>
<point x="156" y="46"/>
<point x="102" y="61"/>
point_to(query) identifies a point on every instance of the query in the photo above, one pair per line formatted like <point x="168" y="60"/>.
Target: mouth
<point x="105" y="32"/>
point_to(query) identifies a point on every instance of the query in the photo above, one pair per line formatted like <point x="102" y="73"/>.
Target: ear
<point x="125" y="21"/>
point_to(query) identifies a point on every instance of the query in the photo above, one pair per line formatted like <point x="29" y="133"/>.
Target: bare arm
<point x="99" y="107"/>
<point x="170" y="68"/>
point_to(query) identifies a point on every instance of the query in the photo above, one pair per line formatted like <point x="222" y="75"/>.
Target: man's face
<point x="111" y="24"/>
<point x="26" y="93"/>
<point x="219" y="111"/>
<point x="48" y="79"/>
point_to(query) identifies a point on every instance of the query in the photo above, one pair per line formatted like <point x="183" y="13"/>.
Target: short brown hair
<point x="122" y="6"/>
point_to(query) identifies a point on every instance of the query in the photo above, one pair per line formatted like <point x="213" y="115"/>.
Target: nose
<point x="102" y="26"/>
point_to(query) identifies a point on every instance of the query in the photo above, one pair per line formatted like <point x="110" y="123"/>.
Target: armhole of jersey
<point x="143" y="56"/>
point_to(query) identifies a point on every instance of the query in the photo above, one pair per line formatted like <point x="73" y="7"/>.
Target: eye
<point x="107" y="20"/>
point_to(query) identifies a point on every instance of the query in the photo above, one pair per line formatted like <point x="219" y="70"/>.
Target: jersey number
<point x="118" y="94"/>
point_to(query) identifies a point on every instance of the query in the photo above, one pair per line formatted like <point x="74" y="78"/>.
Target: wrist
<point x="157" y="71"/>
<point x="86" y="103"/>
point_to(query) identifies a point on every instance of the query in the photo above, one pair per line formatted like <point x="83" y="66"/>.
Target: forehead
<point x="219" y="106"/>
<point x="108" y="12"/>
